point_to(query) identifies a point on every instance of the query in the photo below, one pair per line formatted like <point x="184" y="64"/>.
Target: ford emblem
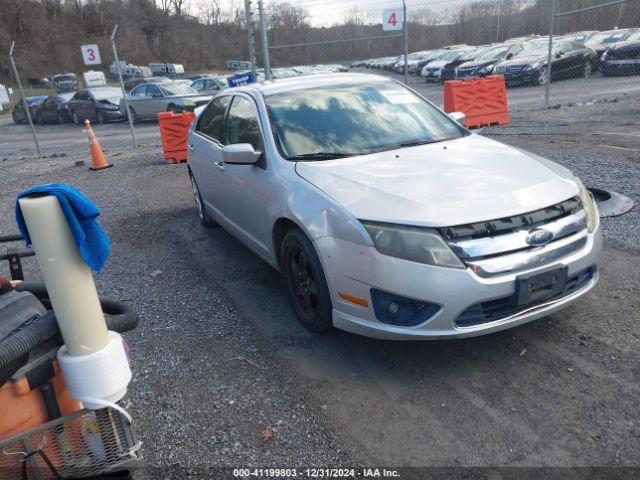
<point x="539" y="237"/>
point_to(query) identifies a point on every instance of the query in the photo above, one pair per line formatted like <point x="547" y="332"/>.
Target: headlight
<point x="589" y="206"/>
<point x="186" y="101"/>
<point x="487" y="69"/>
<point x="604" y="56"/>
<point x="422" y="245"/>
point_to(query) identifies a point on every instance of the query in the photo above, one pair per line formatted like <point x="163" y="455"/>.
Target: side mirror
<point x="510" y="56"/>
<point x="240" y="154"/>
<point x="459" y="117"/>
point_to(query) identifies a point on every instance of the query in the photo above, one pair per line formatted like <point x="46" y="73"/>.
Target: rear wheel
<point x="306" y="283"/>
<point x="100" y="117"/>
<point x="205" y="218"/>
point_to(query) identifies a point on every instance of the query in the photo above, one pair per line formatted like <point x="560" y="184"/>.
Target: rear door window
<point x="211" y="121"/>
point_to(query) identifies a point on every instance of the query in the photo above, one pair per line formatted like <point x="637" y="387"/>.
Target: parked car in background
<point x="580" y="37"/>
<point x="33" y="104"/>
<point x="39" y="82"/>
<point x="385" y="216"/>
<point x="134" y="82"/>
<point x="54" y="109"/>
<point x="568" y="59"/>
<point x="98" y="104"/>
<point x="485" y="61"/>
<point x="149" y="99"/>
<point x="128" y="70"/>
<point x="601" y="41"/>
<point x="166" y="69"/>
<point x="208" y="85"/>
<point x="432" y="71"/>
<point x="622" y="58"/>
<point x="65" y="82"/>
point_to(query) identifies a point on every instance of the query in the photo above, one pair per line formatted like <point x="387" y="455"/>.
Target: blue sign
<point x="241" y="79"/>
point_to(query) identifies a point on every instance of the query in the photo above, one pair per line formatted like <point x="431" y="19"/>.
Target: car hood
<point x="437" y="64"/>
<point x="628" y="45"/>
<point x="455" y="182"/>
<point x="524" y="60"/>
<point x="473" y="64"/>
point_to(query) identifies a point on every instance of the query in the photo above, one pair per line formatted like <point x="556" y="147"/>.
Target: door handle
<point x="220" y="165"/>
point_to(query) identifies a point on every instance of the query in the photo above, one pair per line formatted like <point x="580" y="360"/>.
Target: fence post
<point x="124" y="92"/>
<point x="265" y="43"/>
<point x="405" y="42"/>
<point x="250" y="40"/>
<point x="16" y="75"/>
<point x="552" y="20"/>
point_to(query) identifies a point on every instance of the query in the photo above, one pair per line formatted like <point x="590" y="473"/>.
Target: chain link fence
<point x="594" y="52"/>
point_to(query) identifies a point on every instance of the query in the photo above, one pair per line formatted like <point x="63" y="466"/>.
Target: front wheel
<point x="101" y="118"/>
<point x="543" y="76"/>
<point x="306" y="283"/>
<point x="75" y="118"/>
<point x="133" y="115"/>
<point x="587" y="69"/>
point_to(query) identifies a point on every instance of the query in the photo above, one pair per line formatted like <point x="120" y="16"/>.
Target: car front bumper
<point x="112" y="115"/>
<point x="355" y="269"/>
<point x="520" y="78"/>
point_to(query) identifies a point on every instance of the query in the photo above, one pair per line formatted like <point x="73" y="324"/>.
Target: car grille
<point x="515" y="69"/>
<point x="502" y="308"/>
<point x="465" y="72"/>
<point x="500" y="246"/>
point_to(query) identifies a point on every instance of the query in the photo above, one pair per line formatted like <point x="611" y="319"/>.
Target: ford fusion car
<point x="386" y="217"/>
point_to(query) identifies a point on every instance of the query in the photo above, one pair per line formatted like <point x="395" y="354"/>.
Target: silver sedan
<point x="386" y="217"/>
<point x="149" y="99"/>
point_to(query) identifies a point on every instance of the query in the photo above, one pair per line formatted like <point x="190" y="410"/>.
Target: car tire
<point x="205" y="218"/>
<point x="587" y="69"/>
<point x="174" y="109"/>
<point x="134" y="116"/>
<point x="306" y="282"/>
<point x="62" y="117"/>
<point x="543" y="76"/>
<point x="100" y="118"/>
<point x="75" y="119"/>
<point x="15" y="119"/>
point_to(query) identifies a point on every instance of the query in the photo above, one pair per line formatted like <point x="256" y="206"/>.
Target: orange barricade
<point x="482" y="100"/>
<point x="173" y="131"/>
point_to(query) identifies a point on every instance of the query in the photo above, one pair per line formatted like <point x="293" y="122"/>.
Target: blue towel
<point x="81" y="214"/>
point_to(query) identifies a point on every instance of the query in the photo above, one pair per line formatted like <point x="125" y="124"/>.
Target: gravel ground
<point x="225" y="376"/>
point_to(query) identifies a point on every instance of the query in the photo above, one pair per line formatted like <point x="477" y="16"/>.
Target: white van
<point x="166" y="69"/>
<point x="93" y="78"/>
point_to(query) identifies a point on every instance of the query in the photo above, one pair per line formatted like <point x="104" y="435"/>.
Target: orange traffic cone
<point x="99" y="162"/>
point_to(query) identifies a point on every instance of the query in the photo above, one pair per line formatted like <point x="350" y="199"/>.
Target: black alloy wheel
<point x="306" y="283"/>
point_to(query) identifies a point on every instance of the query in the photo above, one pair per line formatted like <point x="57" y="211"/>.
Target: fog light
<point x="402" y="311"/>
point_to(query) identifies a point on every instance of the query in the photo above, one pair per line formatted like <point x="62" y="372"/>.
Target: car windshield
<point x="491" y="54"/>
<point x="354" y="119"/>
<point x="634" y="37"/>
<point x="608" y="37"/>
<point x="177" y="88"/>
<point x="450" y="55"/>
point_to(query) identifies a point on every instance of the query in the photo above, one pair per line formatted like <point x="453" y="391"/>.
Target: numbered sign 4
<point x="392" y="19"/>
<point x="90" y="54"/>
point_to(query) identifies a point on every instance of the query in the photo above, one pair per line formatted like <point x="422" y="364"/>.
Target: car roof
<point x="310" y="81"/>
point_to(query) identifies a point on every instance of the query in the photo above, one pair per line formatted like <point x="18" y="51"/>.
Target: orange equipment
<point x="482" y="100"/>
<point x="99" y="161"/>
<point x="173" y="131"/>
<point x="23" y="408"/>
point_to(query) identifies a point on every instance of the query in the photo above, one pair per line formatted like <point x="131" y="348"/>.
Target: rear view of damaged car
<point x="386" y="217"/>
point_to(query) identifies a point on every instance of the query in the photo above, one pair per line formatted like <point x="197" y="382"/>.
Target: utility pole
<point x="248" y="13"/>
<point x="265" y="42"/>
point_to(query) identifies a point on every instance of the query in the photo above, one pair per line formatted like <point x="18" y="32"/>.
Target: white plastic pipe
<point x="68" y="279"/>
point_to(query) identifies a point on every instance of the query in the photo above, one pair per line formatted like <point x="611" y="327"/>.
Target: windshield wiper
<point x="323" y="155"/>
<point x="414" y="143"/>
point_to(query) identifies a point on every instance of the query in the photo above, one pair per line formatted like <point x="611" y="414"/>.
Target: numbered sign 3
<point x="90" y="54"/>
<point x="392" y="19"/>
